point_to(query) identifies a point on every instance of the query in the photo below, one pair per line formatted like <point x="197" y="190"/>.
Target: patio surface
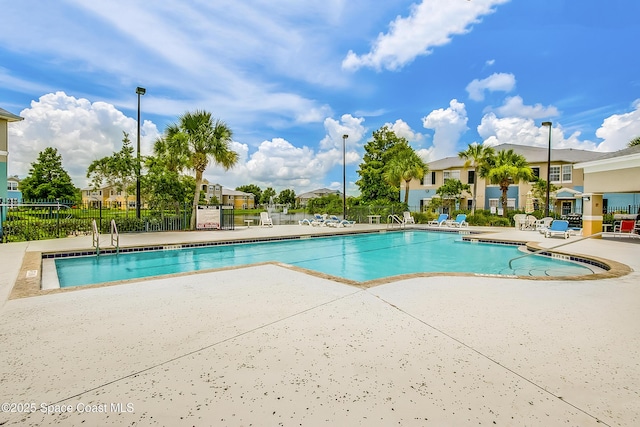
<point x="269" y="345"/>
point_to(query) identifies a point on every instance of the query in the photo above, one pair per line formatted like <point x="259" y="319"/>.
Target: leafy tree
<point x="267" y="195"/>
<point x="118" y="170"/>
<point x="163" y="187"/>
<point x="378" y="152"/>
<point x="253" y="189"/>
<point x="287" y="197"/>
<point x="451" y="191"/>
<point x="635" y="141"/>
<point x="329" y="204"/>
<point x="539" y="191"/>
<point x="198" y="139"/>
<point x="477" y="156"/>
<point x="507" y="168"/>
<point x="404" y="166"/>
<point x="47" y="178"/>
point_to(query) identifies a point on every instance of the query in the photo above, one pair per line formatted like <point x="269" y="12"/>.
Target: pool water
<point x="359" y="257"/>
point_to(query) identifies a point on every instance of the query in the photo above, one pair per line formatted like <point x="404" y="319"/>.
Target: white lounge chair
<point x="520" y="221"/>
<point x="345" y="223"/>
<point x="407" y="218"/>
<point x="543" y="224"/>
<point x="265" y="220"/>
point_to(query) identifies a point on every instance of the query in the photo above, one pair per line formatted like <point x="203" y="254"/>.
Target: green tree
<point x="378" y="152"/>
<point x="635" y="141"/>
<point x="117" y="170"/>
<point x="253" y="189"/>
<point x="47" y="178"/>
<point x="164" y="188"/>
<point x="201" y="139"/>
<point x="477" y="156"/>
<point x="405" y="166"/>
<point x="539" y="191"/>
<point x="267" y="196"/>
<point x="507" y="168"/>
<point x="451" y="191"/>
<point x="287" y="197"/>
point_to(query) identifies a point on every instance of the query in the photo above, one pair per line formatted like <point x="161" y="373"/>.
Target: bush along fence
<point x="49" y="219"/>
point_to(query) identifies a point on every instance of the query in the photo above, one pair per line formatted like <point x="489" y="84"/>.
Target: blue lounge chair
<point x="442" y="219"/>
<point x="460" y="221"/>
<point x="558" y="226"/>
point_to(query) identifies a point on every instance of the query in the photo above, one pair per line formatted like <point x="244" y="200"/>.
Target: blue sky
<point x="290" y="78"/>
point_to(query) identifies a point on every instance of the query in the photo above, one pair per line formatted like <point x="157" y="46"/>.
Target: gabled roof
<point x="229" y="192"/>
<point x="532" y="154"/>
<point x="317" y="193"/>
<point x="10" y="117"/>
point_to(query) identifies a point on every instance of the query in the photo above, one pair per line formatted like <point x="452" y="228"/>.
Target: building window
<point x="554" y="174"/>
<point x="471" y="177"/>
<point x="451" y="175"/>
<point x="429" y="179"/>
<point x="495" y="204"/>
<point x="536" y="173"/>
<point x="12" y="186"/>
<point x="566" y="173"/>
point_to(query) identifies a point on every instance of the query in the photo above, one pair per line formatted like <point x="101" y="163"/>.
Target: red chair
<point x="626" y="227"/>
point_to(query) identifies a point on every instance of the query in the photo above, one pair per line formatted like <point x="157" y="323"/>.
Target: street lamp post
<point x="546" y="210"/>
<point x="139" y="91"/>
<point x="344" y="176"/>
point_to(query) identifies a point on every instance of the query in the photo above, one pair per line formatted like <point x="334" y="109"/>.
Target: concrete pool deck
<point x="268" y="345"/>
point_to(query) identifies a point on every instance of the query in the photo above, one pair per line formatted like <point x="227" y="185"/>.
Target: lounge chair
<point x="442" y="219"/>
<point x="407" y="218"/>
<point x="332" y="221"/>
<point x="304" y="221"/>
<point x="265" y="220"/>
<point x="345" y="223"/>
<point x="626" y="228"/>
<point x="319" y="220"/>
<point x="460" y="221"/>
<point x="530" y="222"/>
<point x="558" y="226"/>
<point x="543" y="223"/>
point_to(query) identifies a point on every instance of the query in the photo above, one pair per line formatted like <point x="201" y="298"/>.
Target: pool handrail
<point x="115" y="236"/>
<point x="95" y="236"/>
<point x="553" y="247"/>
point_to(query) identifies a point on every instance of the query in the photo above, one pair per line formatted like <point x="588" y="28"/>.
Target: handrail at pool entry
<point x="115" y="236"/>
<point x="554" y="247"/>
<point x="392" y="219"/>
<point x="95" y="237"/>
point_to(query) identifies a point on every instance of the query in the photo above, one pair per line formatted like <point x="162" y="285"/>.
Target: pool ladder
<point x="115" y="237"/>
<point x="394" y="219"/>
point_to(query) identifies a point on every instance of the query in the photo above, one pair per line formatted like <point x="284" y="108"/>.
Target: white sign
<point x="208" y="218"/>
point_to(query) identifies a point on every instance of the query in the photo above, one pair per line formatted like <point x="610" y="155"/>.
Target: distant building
<point x="226" y="196"/>
<point x="14" y="196"/>
<point x="303" y="199"/>
<point x="563" y="173"/>
<point x="5" y="118"/>
<point x="109" y="197"/>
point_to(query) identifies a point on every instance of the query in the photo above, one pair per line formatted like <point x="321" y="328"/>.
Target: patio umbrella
<point x="528" y="207"/>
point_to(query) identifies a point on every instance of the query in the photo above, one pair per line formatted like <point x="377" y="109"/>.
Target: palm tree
<point x="476" y="156"/>
<point x="635" y="141"/>
<point x="508" y="168"/>
<point x="404" y="166"/>
<point x="201" y="138"/>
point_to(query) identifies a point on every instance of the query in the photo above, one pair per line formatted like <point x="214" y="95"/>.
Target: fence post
<point x="100" y="214"/>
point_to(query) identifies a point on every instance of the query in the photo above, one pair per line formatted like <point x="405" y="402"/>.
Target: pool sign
<point x="208" y="218"/>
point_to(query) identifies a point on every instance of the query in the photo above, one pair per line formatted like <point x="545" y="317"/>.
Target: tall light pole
<point x="546" y="209"/>
<point x="344" y="176"/>
<point x="139" y="91"/>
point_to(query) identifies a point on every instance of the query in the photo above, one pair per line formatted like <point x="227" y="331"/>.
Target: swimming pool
<point x="357" y="257"/>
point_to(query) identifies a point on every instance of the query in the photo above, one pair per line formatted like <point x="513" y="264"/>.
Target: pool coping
<point x="29" y="281"/>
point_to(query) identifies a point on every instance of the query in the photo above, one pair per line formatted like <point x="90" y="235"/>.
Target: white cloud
<point x="348" y="125"/>
<point x="449" y="124"/>
<point x="504" y="82"/>
<point x="81" y="131"/>
<point x="403" y="130"/>
<point x="514" y="106"/>
<point x="524" y="131"/>
<point x="618" y="129"/>
<point x="429" y="24"/>
<point x="490" y="62"/>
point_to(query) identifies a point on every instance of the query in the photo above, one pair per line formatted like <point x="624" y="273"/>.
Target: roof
<point x="620" y="153"/>
<point x="532" y="154"/>
<point x="317" y="193"/>
<point x="230" y="192"/>
<point x="10" y="117"/>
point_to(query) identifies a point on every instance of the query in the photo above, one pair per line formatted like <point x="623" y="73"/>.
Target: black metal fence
<point x="48" y="219"/>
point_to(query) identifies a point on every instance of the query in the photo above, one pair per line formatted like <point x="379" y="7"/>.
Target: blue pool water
<point x="359" y="257"/>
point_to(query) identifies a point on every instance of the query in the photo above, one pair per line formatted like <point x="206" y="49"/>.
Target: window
<point x="536" y="172"/>
<point x="451" y="175"/>
<point x="471" y="177"/>
<point x="566" y="173"/>
<point x="554" y="174"/>
<point x="429" y="179"/>
<point x="12" y="186"/>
